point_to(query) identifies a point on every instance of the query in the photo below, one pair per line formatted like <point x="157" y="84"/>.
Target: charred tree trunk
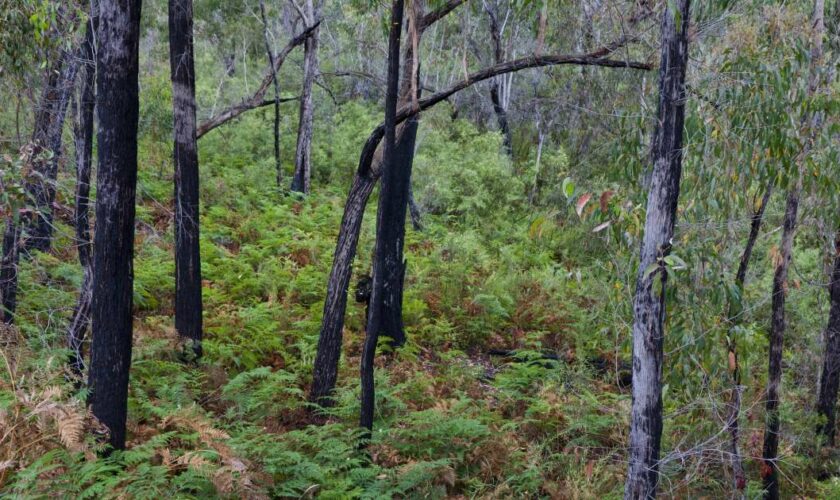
<point x="733" y="319"/>
<point x="48" y="137"/>
<point x="303" y="150"/>
<point x="649" y="300"/>
<point x="392" y="203"/>
<point x="414" y="210"/>
<point x="9" y="270"/>
<point x="83" y="137"/>
<point x="273" y="68"/>
<point x="830" y="378"/>
<point x="188" y="306"/>
<point x="496" y="97"/>
<point x="329" y="342"/>
<point x="770" y="468"/>
<point x="113" y="249"/>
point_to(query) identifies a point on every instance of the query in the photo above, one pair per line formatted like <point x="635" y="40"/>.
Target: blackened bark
<point x="9" y="270"/>
<point x="188" y="306"/>
<point x="328" y="354"/>
<point x="649" y="300"/>
<point x="499" y="107"/>
<point x="414" y="210"/>
<point x="47" y="136"/>
<point x="733" y="319"/>
<point x="303" y="150"/>
<point x="770" y="469"/>
<point x="273" y="68"/>
<point x="113" y="249"/>
<point x="330" y="338"/>
<point x="392" y="204"/>
<point x="83" y="138"/>
<point x="830" y="378"/>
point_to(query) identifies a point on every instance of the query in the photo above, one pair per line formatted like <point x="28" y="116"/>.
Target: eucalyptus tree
<point x="83" y="139"/>
<point x="188" y="306"/>
<point x="809" y="125"/>
<point x="303" y="149"/>
<point x="117" y="106"/>
<point x="329" y="342"/>
<point x="649" y="299"/>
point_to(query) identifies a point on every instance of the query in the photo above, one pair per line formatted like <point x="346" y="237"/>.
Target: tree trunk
<point x="830" y="378"/>
<point x="188" y="306"/>
<point x="113" y="250"/>
<point x="649" y="301"/>
<point x="9" y="270"/>
<point x="392" y="204"/>
<point x="303" y="160"/>
<point x="414" y="211"/>
<point x="83" y="136"/>
<point x="733" y="319"/>
<point x="769" y="468"/>
<point x="499" y="105"/>
<point x="273" y="68"/>
<point x="48" y="137"/>
<point x="325" y="371"/>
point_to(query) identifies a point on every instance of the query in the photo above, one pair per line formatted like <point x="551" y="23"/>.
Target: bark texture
<point x="332" y="324"/>
<point x="733" y="319"/>
<point x="113" y="250"/>
<point x="649" y="300"/>
<point x="303" y="149"/>
<point x="830" y="377"/>
<point x="770" y="467"/>
<point x="387" y="219"/>
<point x="9" y="270"/>
<point x="83" y="138"/>
<point x="188" y="306"/>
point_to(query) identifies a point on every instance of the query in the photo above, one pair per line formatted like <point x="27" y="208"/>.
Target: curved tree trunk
<point x="649" y="300"/>
<point x="188" y="306"/>
<point x="303" y="150"/>
<point x="117" y="108"/>
<point x="83" y="136"/>
<point x="391" y="204"/>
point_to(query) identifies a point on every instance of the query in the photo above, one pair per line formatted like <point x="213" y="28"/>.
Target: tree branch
<point x="436" y="15"/>
<point x="256" y="100"/>
<point x="532" y="61"/>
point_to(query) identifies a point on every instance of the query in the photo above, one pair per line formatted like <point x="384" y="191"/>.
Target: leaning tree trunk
<point x="117" y="108"/>
<point x="499" y="107"/>
<point x="188" y="306"/>
<point x="273" y="68"/>
<point x="392" y="203"/>
<point x="83" y="136"/>
<point x="770" y="468"/>
<point x="830" y="378"/>
<point x="649" y="301"/>
<point x="303" y="150"/>
<point x="329" y="341"/>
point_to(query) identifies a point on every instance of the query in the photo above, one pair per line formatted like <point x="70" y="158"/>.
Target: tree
<point x="325" y="370"/>
<point x="390" y="214"/>
<point x="117" y="106"/>
<point x="83" y="137"/>
<point x="188" y="307"/>
<point x="770" y="469"/>
<point x="303" y="150"/>
<point x="649" y="299"/>
<point x="273" y="69"/>
<point x="830" y="377"/>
